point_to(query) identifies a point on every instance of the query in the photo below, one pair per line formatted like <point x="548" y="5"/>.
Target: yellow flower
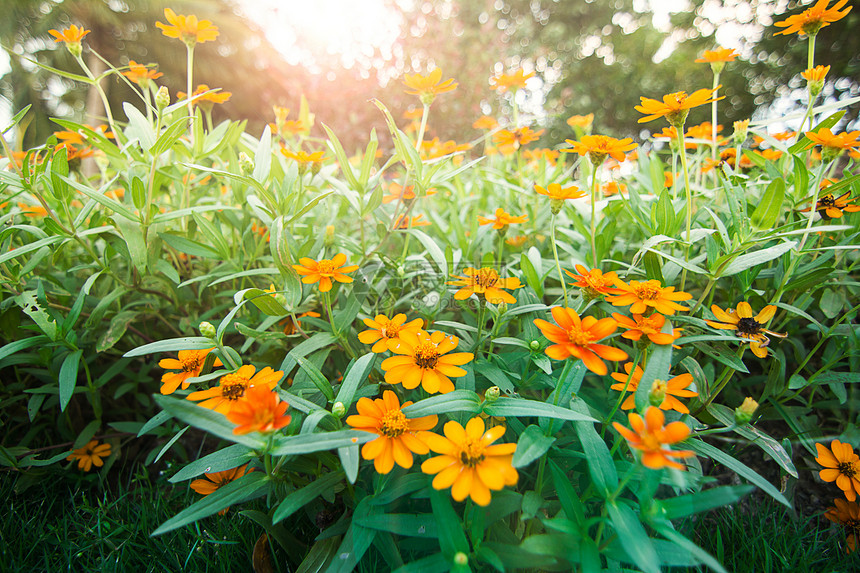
<point x="485" y="281"/>
<point x="815" y="74"/>
<point x="642" y="295"/>
<point x="811" y="20"/>
<point x="385" y="332"/>
<point x="423" y="359"/>
<point x="140" y="74"/>
<point x="846" y="513"/>
<point x="583" y="121"/>
<point x="231" y="387"/>
<point x="510" y="141"/>
<point x="189" y="364"/>
<point x="468" y="463"/>
<point x="72" y="37"/>
<point x="599" y="146"/>
<point x="406" y="222"/>
<point x="746" y="326"/>
<point x="429" y="86"/>
<point x="90" y="455"/>
<point x="505" y="82"/>
<point x="398" y="438"/>
<point x="212" y="97"/>
<point x="578" y="338"/>
<point x="217" y="480"/>
<point x="324" y="271"/>
<point x="674" y="387"/>
<point x="841" y="465"/>
<point x="833" y="145"/>
<point x="650" y="436"/>
<point x="675" y="106"/>
<point x="556" y="192"/>
<point x="260" y="409"/>
<point x="720" y="55"/>
<point x="187" y="28"/>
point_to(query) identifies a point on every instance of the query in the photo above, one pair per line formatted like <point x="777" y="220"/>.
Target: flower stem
<point x="422" y="128"/>
<point x="714" y="129"/>
<point x="96" y="84"/>
<point x="188" y="83"/>
<point x="593" y="217"/>
<point x="623" y="392"/>
<point x="481" y="308"/>
<point x="557" y="263"/>
<point x="689" y="196"/>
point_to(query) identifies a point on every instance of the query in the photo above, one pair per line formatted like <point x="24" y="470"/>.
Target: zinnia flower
<point x="578" y="338"/>
<point x="396" y="192"/>
<point x="231" y="387"/>
<point x="324" y="271"/>
<point x="189" y="364"/>
<point x="505" y="82"/>
<point x="211" y="97"/>
<point x="675" y="106"/>
<point x="187" y="28"/>
<point x="397" y="439"/>
<point x="641" y="295"/>
<point x="674" y="387"/>
<point x="90" y="455"/>
<point x="485" y="281"/>
<point x="260" y="409"/>
<point x="71" y="35"/>
<point x="502" y="219"/>
<point x="742" y="321"/>
<point x="583" y="121"/>
<point x="469" y="465"/>
<point x="833" y="145"/>
<point x="140" y="74"/>
<point x="217" y="480"/>
<point x="599" y="146"/>
<point x="841" y="465"/>
<point x="815" y="74"/>
<point x="423" y="359"/>
<point x="385" y="332"/>
<point x="593" y="282"/>
<point x="407" y="222"/>
<point x="811" y="20"/>
<point x="555" y="192"/>
<point x="720" y="55"/>
<point x="32" y="211"/>
<point x="830" y="208"/>
<point x="651" y="326"/>
<point x="649" y="436"/>
<point x="429" y="86"/>
<point x="485" y="122"/>
<point x="513" y="140"/>
<point x="846" y="513"/>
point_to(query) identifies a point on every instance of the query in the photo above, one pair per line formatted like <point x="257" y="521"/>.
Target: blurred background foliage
<point x="589" y="57"/>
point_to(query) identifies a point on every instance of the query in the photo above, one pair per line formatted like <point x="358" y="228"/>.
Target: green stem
<point x="188" y="82"/>
<point x="96" y="84"/>
<point x="557" y="263"/>
<point x="714" y="129"/>
<point x="593" y="217"/>
<point x="623" y="392"/>
<point x="422" y="128"/>
<point x="481" y="308"/>
<point x="689" y="196"/>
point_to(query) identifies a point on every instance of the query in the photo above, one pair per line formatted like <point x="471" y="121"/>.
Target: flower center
<point x="847" y="469"/>
<point x="393" y="424"/>
<point x="826" y="201"/>
<point x="325" y="267"/>
<point x="647" y="292"/>
<point x="390" y="330"/>
<point x="486" y="278"/>
<point x="651" y="442"/>
<point x="647" y="324"/>
<point x="472" y="454"/>
<point x="426" y="355"/>
<point x="579" y="337"/>
<point x="191" y="364"/>
<point x="233" y="386"/>
<point x="748" y="326"/>
<point x="679" y="98"/>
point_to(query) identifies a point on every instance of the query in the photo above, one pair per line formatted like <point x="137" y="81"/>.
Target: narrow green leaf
<point x="531" y="445"/>
<point x="421" y="525"/>
<point x="319" y="442"/>
<point x="349" y="459"/>
<point x="758" y="438"/>
<point x="172" y="345"/>
<point x="69" y="377"/>
<point x="690" y="504"/>
<point x="636" y="542"/>
<point x="224" y="459"/>
<point x="452" y="537"/>
<point x="770" y="205"/>
<point x="456" y="401"/>
<point x="318" y="378"/>
<point x="301" y="497"/>
<point x="263" y="156"/>
<point x="750" y="260"/>
<point x="519" y="407"/>
<point x="659" y="363"/>
<point x="433" y="250"/>
<point x="600" y="464"/>
<point x="342" y="160"/>
<point x="355" y="375"/>
<point x="207" y="420"/>
<point x="312" y="344"/>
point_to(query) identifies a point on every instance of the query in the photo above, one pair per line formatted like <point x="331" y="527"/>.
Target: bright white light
<point x="305" y="31"/>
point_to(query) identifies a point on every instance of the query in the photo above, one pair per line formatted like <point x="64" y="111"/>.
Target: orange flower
<point x="385" y="332"/>
<point x="502" y="219"/>
<point x="513" y="140"/>
<point x="32" y="211"/>
<point x="397" y="439"/>
<point x="555" y="192"/>
<point x="324" y="271"/>
<point x="291" y="327"/>
<point x="517" y="241"/>
<point x="577" y="337"/>
<point x="815" y="74"/>
<point x="841" y="465"/>
<point x="811" y="20"/>
<point x="720" y="55"/>
<point x="830" y="208"/>
<point x="217" y="480"/>
<point x="397" y="192"/>
<point x="468" y="464"/>
<point x="485" y="122"/>
<point x="485" y="281"/>
<point x="505" y="82"/>
<point x="303" y="157"/>
<point x="232" y="387"/>
<point x="423" y="359"/>
<point x="583" y="121"/>
<point x="90" y="455"/>
<point x="835" y="143"/>
<point x="259" y="410"/>
<point x="429" y="86"/>
<point x="649" y="436"/>
<point x="593" y="282"/>
<point x="770" y="154"/>
<point x="599" y="146"/>
<point x="551" y="155"/>
<point x="140" y="74"/>
<point x="746" y="326"/>
<point x="212" y="97"/>
<point x="650" y="326"/>
<point x="187" y="28"/>
<point x="641" y="295"/>
<point x="611" y="188"/>
<point x="846" y="513"/>
<point x="406" y="222"/>
<point x="189" y="364"/>
<point x="434" y="148"/>
<point x="674" y="387"/>
<point x="71" y="35"/>
<point x="702" y="131"/>
<point x="667" y="133"/>
<point x="675" y="106"/>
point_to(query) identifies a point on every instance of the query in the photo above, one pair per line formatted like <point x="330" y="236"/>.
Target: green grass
<point x="763" y="536"/>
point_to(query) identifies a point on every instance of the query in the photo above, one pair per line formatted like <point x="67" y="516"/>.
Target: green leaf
<point x="433" y="250"/>
<point x="249" y="486"/>
<point x="312" y="344"/>
<point x="69" y="377"/>
<point x="30" y="247"/>
<point x="138" y="127"/>
<point x="452" y="537"/>
<point x="170" y="136"/>
<point x="600" y="465"/>
<point x="318" y="378"/>
<point x="207" y="420"/>
<point x="738" y="467"/>
<point x="531" y="445"/>
<point x="349" y="459"/>
<point x="519" y="407"/>
<point x="690" y="504"/>
<point x="722" y="354"/>
<point x="456" y="401"/>
<point x="567" y="495"/>
<point x="421" y="525"/>
<point x="23" y="344"/>
<point x="224" y="459"/>
<point x="319" y="442"/>
<point x="756" y="437"/>
<point x="356" y="373"/>
<point x="659" y="363"/>
<point x="770" y="205"/>
<point x="805" y="142"/>
<point x="664" y="213"/>
<point x="301" y="497"/>
<point x="17" y="117"/>
<point x="531" y="275"/>
<point x="263" y="300"/>
<point x="172" y="345"/>
<point x="667" y="531"/>
<point x="399" y="487"/>
<point x="189" y="247"/>
<point x="435" y="562"/>
<point x="636" y="542"/>
<point x="263" y="156"/>
<point x="750" y="260"/>
<point x="342" y="160"/>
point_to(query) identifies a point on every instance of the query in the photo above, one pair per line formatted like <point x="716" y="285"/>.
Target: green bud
<point x="744" y="412"/>
<point x="162" y="98"/>
<point x="461" y="559"/>
<point x="246" y="164"/>
<point x="657" y="393"/>
<point x="338" y="409"/>
<point x="492" y="394"/>
<point x="207" y="329"/>
<point x="534" y="345"/>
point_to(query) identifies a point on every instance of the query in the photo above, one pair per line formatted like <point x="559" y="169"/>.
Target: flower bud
<point x="534" y="345"/>
<point x="492" y="394"/>
<point x="740" y="134"/>
<point x="657" y="393"/>
<point x="162" y="98"/>
<point x="207" y="329"/>
<point x="744" y="412"/>
<point x="329" y="235"/>
<point x="502" y="306"/>
<point x="315" y="167"/>
<point x="338" y="409"/>
<point x="461" y="559"/>
<point x="246" y="164"/>
<point x="280" y="299"/>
